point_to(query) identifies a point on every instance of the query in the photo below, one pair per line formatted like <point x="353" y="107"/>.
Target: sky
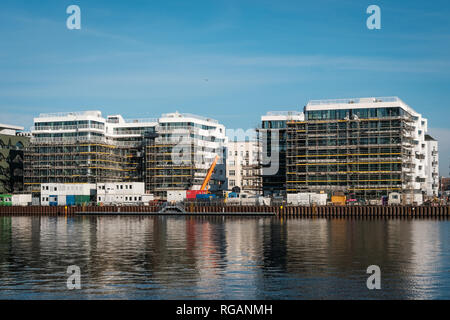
<point x="230" y="60"/>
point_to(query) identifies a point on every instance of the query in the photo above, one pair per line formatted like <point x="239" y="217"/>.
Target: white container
<point x="319" y="199"/>
<point x="394" y="198"/>
<point x="147" y="198"/>
<point x="22" y="200"/>
<point x="176" y="195"/>
<point x="62" y="200"/>
<point x="292" y="198"/>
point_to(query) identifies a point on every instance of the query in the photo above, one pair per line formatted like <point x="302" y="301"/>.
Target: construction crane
<point x="209" y="174"/>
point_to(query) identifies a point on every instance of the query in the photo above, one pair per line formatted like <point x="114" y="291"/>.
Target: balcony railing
<point x="68" y="127"/>
<point x="67" y="140"/>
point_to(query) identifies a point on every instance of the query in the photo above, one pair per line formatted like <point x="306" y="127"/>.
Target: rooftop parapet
<point x="284" y="113"/>
<point x="74" y="114"/>
<point x="187" y="115"/>
<point x="354" y="100"/>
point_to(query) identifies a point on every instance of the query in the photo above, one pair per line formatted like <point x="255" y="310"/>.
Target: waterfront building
<point x="179" y="155"/>
<point x="431" y="166"/>
<point x="84" y="147"/>
<point x="12" y="144"/>
<point x="272" y="137"/>
<point x="243" y="170"/>
<point x="364" y="147"/>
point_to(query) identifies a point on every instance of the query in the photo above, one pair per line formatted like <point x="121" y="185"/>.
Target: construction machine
<point x="209" y="174"/>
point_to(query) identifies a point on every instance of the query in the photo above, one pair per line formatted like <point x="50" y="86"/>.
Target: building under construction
<point x="179" y="154"/>
<point x="172" y="152"/>
<point x="271" y="137"/>
<point x="84" y="148"/>
<point x="365" y="148"/>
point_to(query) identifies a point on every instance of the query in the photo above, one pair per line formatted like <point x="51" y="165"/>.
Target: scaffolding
<point x="364" y="158"/>
<point x="163" y="172"/>
<point x="80" y="162"/>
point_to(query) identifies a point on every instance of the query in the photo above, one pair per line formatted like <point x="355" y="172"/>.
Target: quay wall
<point x="282" y="211"/>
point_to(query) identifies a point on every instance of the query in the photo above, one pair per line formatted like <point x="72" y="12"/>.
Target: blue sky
<point x="231" y="60"/>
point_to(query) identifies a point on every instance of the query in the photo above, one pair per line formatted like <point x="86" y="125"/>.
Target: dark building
<point x="272" y="137"/>
<point x="12" y="145"/>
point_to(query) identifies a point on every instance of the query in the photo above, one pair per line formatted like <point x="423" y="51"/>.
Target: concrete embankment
<point x="283" y="211"/>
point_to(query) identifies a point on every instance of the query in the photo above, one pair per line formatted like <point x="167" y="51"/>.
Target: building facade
<point x="431" y="166"/>
<point x="365" y="147"/>
<point x="181" y="152"/>
<point x="84" y="147"/>
<point x="243" y="170"/>
<point x="272" y="137"/>
<point x="172" y="152"/>
<point x="12" y="145"/>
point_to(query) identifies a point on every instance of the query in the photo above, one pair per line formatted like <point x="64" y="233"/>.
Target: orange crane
<point x="209" y="174"/>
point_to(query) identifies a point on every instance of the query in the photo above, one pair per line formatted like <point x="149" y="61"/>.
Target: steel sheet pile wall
<point x="298" y="211"/>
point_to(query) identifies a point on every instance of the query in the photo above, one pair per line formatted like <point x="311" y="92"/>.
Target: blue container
<point x="70" y="200"/>
<point x="53" y="201"/>
<point x="205" y="196"/>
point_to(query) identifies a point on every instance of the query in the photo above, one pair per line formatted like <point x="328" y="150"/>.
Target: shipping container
<point x="61" y="200"/>
<point x="205" y="196"/>
<point x="192" y="194"/>
<point x="292" y="199"/>
<point x="70" y="200"/>
<point x="36" y="201"/>
<point x="21" y="200"/>
<point x="319" y="199"/>
<point x="53" y="201"/>
<point x="6" y="200"/>
<point x="176" y="195"/>
<point x="338" y="200"/>
<point x="82" y="200"/>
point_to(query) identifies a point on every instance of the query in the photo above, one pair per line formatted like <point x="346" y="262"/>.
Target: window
<point x="232" y="172"/>
<point x="131" y="186"/>
<point x="232" y="183"/>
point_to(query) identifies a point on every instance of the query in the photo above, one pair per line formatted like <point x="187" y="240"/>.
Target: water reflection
<point x="223" y="257"/>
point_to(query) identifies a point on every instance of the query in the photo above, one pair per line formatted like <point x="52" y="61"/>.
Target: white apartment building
<point x="431" y="166"/>
<point x="182" y="153"/>
<point x="84" y="147"/>
<point x="243" y="166"/>
<point x="366" y="147"/>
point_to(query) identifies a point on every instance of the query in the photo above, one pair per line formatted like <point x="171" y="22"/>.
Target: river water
<point x="156" y="257"/>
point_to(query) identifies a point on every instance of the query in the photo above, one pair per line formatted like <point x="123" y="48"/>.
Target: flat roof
<point x="10" y="127"/>
<point x="358" y="103"/>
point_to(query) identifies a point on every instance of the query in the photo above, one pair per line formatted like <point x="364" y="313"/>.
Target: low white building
<point x="123" y="193"/>
<point x="62" y="194"/>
